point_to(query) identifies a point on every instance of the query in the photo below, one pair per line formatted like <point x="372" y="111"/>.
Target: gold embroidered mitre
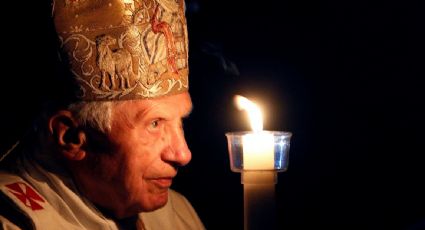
<point x="124" y="49"/>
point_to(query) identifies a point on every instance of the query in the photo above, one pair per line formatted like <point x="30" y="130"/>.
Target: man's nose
<point x="177" y="152"/>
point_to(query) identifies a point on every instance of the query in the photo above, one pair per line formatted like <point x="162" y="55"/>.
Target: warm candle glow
<point x="253" y="110"/>
<point x="258" y="147"/>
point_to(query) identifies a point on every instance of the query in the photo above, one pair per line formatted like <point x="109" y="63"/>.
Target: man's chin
<point x="157" y="201"/>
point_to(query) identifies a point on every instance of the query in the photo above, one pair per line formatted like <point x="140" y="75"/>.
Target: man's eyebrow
<point x="142" y="113"/>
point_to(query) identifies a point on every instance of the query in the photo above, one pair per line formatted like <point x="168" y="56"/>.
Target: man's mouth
<point x="164" y="182"/>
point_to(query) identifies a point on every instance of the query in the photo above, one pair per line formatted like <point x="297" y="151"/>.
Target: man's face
<point x="146" y="145"/>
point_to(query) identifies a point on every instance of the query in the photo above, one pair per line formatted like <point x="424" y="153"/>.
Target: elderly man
<point x="104" y="157"/>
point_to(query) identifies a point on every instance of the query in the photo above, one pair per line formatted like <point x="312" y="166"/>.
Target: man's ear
<point x="67" y="135"/>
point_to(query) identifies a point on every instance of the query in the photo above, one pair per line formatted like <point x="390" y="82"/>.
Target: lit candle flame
<point x="254" y="112"/>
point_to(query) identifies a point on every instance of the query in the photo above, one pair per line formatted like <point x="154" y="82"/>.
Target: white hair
<point x="96" y="114"/>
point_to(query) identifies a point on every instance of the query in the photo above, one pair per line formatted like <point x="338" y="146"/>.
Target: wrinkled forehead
<point x="174" y="106"/>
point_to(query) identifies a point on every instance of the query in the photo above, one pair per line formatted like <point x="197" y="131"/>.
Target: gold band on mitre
<point x="124" y="49"/>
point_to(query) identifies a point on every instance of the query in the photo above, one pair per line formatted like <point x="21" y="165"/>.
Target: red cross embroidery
<point x="26" y="194"/>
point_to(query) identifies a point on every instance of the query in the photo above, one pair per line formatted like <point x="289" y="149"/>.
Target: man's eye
<point x="154" y="124"/>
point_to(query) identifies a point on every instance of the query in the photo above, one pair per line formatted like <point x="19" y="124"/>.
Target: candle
<point x="259" y="199"/>
<point x="258" y="175"/>
<point x="258" y="151"/>
<point x="258" y="155"/>
<point x="258" y="147"/>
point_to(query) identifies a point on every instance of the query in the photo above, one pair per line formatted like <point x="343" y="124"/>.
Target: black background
<point x="345" y="77"/>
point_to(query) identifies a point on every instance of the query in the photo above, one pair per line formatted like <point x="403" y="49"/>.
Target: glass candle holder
<point x="258" y="151"/>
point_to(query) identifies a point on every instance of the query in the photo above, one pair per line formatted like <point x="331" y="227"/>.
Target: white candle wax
<point x="258" y="151"/>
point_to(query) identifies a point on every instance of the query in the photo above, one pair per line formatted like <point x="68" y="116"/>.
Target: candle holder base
<point x="259" y="177"/>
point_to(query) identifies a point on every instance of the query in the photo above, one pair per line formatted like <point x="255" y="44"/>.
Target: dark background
<point x="345" y="77"/>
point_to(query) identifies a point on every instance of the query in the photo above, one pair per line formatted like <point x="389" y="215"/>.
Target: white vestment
<point x="51" y="201"/>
